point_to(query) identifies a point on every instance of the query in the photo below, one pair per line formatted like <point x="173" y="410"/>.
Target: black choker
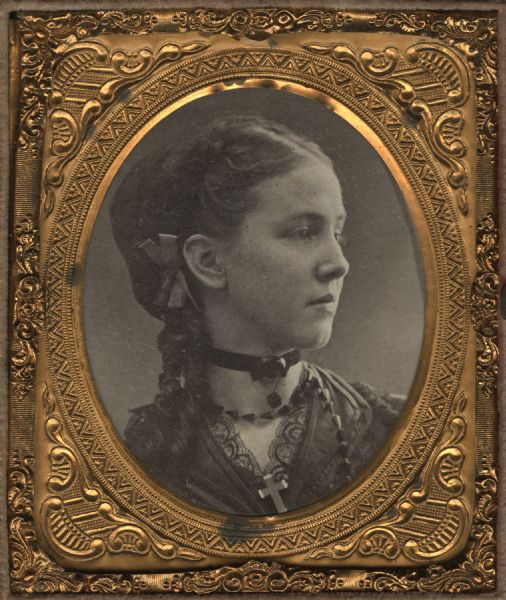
<point x="268" y="367"/>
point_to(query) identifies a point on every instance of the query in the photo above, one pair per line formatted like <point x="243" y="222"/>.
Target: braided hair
<point x="198" y="189"/>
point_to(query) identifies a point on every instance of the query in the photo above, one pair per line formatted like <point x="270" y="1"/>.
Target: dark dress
<point x="307" y="457"/>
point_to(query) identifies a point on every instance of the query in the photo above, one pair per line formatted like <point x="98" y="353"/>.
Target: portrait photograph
<point x="254" y="302"/>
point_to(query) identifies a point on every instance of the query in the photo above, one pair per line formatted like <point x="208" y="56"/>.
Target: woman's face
<point x="285" y="264"/>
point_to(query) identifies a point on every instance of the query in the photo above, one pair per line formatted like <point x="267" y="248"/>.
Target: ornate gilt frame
<point x="428" y="523"/>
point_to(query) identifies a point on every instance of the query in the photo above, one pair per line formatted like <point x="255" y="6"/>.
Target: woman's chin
<point x="314" y="340"/>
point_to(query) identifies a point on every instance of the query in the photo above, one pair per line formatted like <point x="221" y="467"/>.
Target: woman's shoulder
<point x="379" y="408"/>
<point x="365" y="416"/>
<point x="385" y="405"/>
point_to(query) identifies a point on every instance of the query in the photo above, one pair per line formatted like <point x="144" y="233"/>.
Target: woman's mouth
<point x="327" y="299"/>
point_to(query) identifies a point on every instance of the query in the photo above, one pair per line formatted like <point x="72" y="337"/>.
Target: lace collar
<point x="283" y="449"/>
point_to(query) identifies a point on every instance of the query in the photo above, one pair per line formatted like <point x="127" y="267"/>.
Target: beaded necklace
<point x="324" y="396"/>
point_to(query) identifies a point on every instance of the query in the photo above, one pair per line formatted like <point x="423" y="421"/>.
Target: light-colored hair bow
<point x="174" y="289"/>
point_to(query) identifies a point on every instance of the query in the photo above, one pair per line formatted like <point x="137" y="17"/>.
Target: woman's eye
<point x="340" y="238"/>
<point x="304" y="233"/>
<point x="310" y="232"/>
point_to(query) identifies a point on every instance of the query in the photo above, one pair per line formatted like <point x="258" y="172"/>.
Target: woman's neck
<point x="237" y="391"/>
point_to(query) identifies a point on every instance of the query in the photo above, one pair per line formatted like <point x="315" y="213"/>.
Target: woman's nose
<point x="334" y="265"/>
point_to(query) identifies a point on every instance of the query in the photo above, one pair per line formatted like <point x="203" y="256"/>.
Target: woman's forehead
<point x="310" y="187"/>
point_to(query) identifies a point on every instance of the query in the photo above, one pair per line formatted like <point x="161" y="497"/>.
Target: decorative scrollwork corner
<point x="124" y="69"/>
<point x="432" y="103"/>
<point x="32" y="571"/>
<point x="93" y="526"/>
<point x="43" y="40"/>
<point x="477" y="572"/>
<point x="475" y="37"/>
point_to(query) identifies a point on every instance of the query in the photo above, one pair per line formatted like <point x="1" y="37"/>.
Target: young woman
<point x="236" y="246"/>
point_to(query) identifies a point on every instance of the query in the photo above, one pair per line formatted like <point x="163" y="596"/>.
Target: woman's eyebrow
<point x="315" y="218"/>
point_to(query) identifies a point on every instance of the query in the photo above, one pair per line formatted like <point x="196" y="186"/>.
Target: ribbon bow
<point x="165" y="254"/>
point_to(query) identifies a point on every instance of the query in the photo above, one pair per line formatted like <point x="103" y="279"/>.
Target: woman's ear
<point x="203" y="259"/>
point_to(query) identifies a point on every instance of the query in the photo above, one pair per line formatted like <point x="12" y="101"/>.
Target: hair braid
<point x="183" y="388"/>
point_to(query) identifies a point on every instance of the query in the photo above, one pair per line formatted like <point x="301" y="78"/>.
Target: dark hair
<point x="196" y="189"/>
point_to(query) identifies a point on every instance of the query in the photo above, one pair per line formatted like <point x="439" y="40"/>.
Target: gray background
<point x="379" y="324"/>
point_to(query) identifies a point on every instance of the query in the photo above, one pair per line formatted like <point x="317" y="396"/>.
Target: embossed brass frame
<point x="425" y="97"/>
